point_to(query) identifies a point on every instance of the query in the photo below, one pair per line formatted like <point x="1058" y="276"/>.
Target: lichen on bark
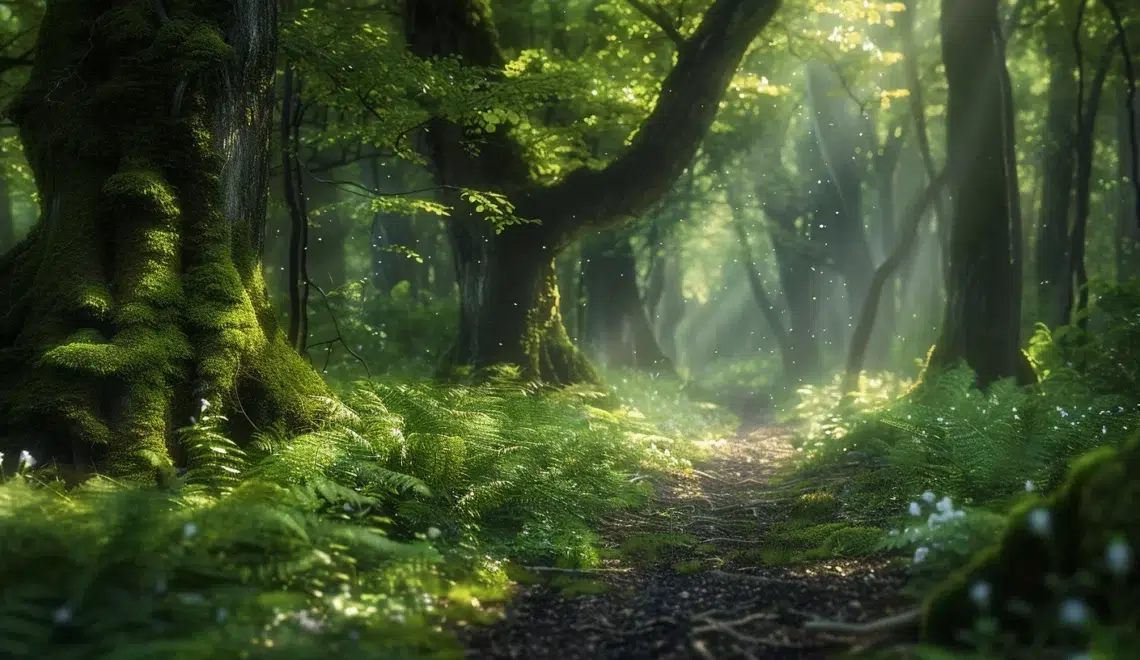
<point x="139" y="292"/>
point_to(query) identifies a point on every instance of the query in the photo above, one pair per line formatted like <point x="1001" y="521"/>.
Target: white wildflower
<point x="1029" y="487"/>
<point x="980" y="592"/>
<point x="945" y="505"/>
<point x="189" y="530"/>
<point x="915" y="509"/>
<point x="1040" y="522"/>
<point x="1074" y="612"/>
<point x="920" y="554"/>
<point x="928" y="497"/>
<point x="26" y="461"/>
<point x="1118" y="556"/>
<point x="433" y="532"/>
<point x="308" y="622"/>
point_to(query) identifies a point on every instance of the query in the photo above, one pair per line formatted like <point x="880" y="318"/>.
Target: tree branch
<point x="656" y="15"/>
<point x="669" y="137"/>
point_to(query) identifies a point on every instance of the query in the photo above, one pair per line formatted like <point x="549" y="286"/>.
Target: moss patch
<point x="654" y="547"/>
<point x="1054" y="549"/>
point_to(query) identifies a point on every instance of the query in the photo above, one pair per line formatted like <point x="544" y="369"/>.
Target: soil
<point x="707" y="598"/>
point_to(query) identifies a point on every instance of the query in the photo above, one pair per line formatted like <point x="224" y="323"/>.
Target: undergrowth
<point x="947" y="472"/>
<point x="369" y="537"/>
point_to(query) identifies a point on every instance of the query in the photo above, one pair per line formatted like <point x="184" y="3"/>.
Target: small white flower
<point x="980" y="592"/>
<point x="945" y="505"/>
<point x="1118" y="556"/>
<point x="920" y="554"/>
<point x="62" y="615"/>
<point x="1074" y="612"/>
<point x="1029" y="487"/>
<point x="26" y="461"/>
<point x="189" y="530"/>
<point x="928" y="497"/>
<point x="915" y="509"/>
<point x="203" y="405"/>
<point x="1040" y="522"/>
<point x="433" y="532"/>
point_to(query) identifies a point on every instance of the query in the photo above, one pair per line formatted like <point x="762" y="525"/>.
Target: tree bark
<point x="140" y="290"/>
<point x="616" y="324"/>
<point x="506" y="312"/>
<point x="7" y="218"/>
<point x="1077" y="280"/>
<point x="981" y="286"/>
<point x="1053" y="227"/>
<point x="1127" y="229"/>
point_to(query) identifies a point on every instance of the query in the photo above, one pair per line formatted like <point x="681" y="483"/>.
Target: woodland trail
<point x="695" y="591"/>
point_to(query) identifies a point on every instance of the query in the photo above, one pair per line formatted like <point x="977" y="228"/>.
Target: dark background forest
<point x="540" y="328"/>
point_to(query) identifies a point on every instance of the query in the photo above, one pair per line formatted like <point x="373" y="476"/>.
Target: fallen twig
<point x="900" y="621"/>
<point x="578" y="571"/>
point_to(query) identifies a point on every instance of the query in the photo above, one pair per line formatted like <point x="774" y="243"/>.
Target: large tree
<point x="139" y="293"/>
<point x="983" y="306"/>
<point x="509" y="310"/>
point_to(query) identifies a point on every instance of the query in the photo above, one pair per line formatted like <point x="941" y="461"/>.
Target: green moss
<point x="652" y="546"/>
<point x="815" y="507"/>
<point x="1032" y="568"/>
<point x="138" y="296"/>
<point x="570" y="587"/>
<point x="690" y="566"/>
<point x="852" y="542"/>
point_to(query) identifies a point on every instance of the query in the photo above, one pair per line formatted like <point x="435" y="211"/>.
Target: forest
<point x="569" y="329"/>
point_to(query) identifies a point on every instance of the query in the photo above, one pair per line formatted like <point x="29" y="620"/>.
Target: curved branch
<point x="668" y="139"/>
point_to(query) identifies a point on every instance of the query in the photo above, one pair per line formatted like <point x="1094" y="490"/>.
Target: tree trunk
<point x="7" y="218"/>
<point x="508" y="293"/>
<point x="801" y="283"/>
<point x="981" y="295"/>
<point x="140" y="291"/>
<point x="1053" y="228"/>
<point x="1076" y="281"/>
<point x="1128" y="231"/>
<point x="509" y="308"/>
<point x="617" y="327"/>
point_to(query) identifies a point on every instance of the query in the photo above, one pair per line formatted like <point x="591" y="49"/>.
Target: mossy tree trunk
<point x="140" y="291"/>
<point x="981" y="320"/>
<point x="616" y="324"/>
<point x="508" y="291"/>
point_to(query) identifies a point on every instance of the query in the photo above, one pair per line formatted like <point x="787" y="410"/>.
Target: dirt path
<point x="690" y="581"/>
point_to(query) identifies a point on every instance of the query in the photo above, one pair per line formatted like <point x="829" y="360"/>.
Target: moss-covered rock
<point x="1072" y="550"/>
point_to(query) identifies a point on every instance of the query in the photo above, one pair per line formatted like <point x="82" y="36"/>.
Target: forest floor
<point x="689" y="577"/>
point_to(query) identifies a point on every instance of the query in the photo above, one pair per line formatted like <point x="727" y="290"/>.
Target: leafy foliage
<point x="357" y="538"/>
